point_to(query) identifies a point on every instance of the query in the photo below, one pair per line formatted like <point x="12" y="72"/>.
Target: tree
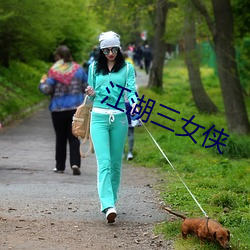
<point x="201" y="99"/>
<point x="28" y="33"/>
<point x="159" y="44"/>
<point x="241" y="17"/>
<point x="128" y="18"/>
<point x="242" y="33"/>
<point x="223" y="38"/>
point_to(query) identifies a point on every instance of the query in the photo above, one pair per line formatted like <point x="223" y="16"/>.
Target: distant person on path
<point x="147" y="54"/>
<point x="92" y="57"/>
<point x="65" y="84"/>
<point x="130" y="127"/>
<point x="109" y="125"/>
<point x="138" y="56"/>
<point x="131" y="131"/>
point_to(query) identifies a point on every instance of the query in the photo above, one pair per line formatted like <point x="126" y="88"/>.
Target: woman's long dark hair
<point x="102" y="67"/>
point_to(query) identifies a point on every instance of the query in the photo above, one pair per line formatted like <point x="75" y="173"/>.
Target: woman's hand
<point x="132" y="112"/>
<point x="90" y="91"/>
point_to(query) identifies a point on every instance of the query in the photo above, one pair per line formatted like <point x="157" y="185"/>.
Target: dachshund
<point x="204" y="229"/>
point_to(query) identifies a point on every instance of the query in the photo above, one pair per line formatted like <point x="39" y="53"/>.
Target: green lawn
<point x="220" y="182"/>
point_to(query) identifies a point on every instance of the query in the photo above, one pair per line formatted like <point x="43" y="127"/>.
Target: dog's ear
<point x="228" y="237"/>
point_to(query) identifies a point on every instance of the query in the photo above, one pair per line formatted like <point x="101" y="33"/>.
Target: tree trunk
<point x="235" y="108"/>
<point x="223" y="38"/>
<point x="159" y="46"/>
<point x="201" y="99"/>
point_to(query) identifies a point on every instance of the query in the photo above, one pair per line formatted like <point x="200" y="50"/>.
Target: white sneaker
<point x="130" y="156"/>
<point x="58" y="171"/>
<point x="111" y="214"/>
<point x="76" y="170"/>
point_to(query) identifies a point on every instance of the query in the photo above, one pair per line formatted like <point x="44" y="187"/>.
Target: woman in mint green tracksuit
<point x="107" y="78"/>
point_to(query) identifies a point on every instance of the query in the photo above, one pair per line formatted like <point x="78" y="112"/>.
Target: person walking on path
<point x="128" y="108"/>
<point x="107" y="78"/>
<point x="147" y="54"/>
<point x="131" y="132"/>
<point x="65" y="84"/>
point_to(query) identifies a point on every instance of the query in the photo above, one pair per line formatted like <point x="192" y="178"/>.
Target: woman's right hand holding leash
<point x="90" y="91"/>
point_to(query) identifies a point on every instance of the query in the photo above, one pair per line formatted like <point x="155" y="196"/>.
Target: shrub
<point x="236" y="147"/>
<point x="224" y="200"/>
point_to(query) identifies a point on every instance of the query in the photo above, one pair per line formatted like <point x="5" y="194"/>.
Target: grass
<point x="19" y="88"/>
<point x="220" y="182"/>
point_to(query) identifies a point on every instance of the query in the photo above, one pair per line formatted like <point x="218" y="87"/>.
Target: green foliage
<point x="176" y="18"/>
<point x="29" y="33"/>
<point x="243" y="60"/>
<point x="241" y="17"/>
<point x="236" y="147"/>
<point x="175" y="25"/>
<point x="220" y="183"/>
<point x="224" y="200"/>
<point x="208" y="58"/>
<point x="128" y="18"/>
<point x="19" y="87"/>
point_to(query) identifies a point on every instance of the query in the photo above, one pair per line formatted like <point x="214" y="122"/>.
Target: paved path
<point x="30" y="192"/>
<point x="141" y="78"/>
<point x="26" y="163"/>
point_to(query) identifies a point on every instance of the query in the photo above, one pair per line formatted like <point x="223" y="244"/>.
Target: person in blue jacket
<point x="107" y="78"/>
<point x="65" y="83"/>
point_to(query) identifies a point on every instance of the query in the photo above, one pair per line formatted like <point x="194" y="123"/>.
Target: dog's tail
<point x="175" y="213"/>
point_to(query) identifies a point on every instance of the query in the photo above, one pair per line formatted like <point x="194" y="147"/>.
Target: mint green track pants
<point x="108" y="136"/>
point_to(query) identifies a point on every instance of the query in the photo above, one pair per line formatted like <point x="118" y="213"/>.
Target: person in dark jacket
<point x="65" y="83"/>
<point x="147" y="54"/>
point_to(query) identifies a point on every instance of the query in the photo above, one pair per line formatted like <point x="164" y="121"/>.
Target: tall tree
<point x="223" y="38"/>
<point x="159" y="44"/>
<point x="203" y="103"/>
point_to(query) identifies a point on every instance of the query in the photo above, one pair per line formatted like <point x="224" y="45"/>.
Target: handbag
<point x="81" y="126"/>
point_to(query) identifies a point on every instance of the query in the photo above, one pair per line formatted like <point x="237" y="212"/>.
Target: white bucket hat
<point x="109" y="39"/>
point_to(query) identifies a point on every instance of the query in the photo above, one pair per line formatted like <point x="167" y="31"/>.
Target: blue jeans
<point x="108" y="139"/>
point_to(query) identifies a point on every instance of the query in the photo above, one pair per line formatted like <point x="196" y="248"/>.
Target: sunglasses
<point x="106" y="51"/>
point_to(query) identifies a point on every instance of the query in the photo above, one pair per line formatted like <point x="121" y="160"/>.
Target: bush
<point x="236" y="147"/>
<point x="19" y="88"/>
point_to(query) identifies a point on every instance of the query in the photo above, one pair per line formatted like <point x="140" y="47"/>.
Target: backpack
<point x="81" y="125"/>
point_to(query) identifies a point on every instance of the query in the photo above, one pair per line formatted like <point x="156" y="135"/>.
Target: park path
<point x="43" y="210"/>
<point x="141" y="78"/>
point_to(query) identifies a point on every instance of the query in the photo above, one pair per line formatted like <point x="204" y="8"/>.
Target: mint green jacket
<point x="106" y="89"/>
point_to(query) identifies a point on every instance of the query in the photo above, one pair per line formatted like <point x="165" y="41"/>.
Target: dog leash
<point x="175" y="171"/>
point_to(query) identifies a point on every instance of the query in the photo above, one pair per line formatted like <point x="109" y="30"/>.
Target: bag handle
<point x="91" y="148"/>
<point x="87" y="137"/>
<point x="85" y="99"/>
